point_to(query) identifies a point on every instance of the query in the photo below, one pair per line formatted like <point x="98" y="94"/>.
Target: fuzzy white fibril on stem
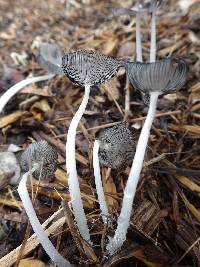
<point x="19" y="86"/>
<point x="37" y="227"/>
<point x="98" y="182"/>
<point x="73" y="183"/>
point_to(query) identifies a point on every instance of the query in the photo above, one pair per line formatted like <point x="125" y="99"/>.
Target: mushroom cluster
<point x="114" y="147"/>
<point x="152" y="79"/>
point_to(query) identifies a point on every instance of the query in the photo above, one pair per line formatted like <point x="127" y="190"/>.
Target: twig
<point x="72" y="228"/>
<point x="10" y="258"/>
<point x="114" y="100"/>
<point x="163" y="114"/>
<point x="188" y="250"/>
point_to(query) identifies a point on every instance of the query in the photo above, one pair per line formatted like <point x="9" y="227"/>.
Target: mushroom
<point x="44" y="156"/>
<point x="114" y="148"/>
<point x="161" y="77"/>
<point x="39" y="152"/>
<point x="132" y="12"/>
<point x="19" y="86"/>
<point x="50" y="58"/>
<point x="85" y="68"/>
<point x="140" y="8"/>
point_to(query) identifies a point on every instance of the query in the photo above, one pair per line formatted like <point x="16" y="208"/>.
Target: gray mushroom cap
<point x="141" y="7"/>
<point x="164" y="76"/>
<point x="50" y="58"/>
<point x="44" y="155"/>
<point x="89" y="68"/>
<point x="116" y="146"/>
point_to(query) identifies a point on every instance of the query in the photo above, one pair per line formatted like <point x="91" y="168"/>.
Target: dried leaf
<point x="11" y="118"/>
<point x="29" y="262"/>
<point x="126" y="50"/>
<point x="112" y="88"/>
<point x="146" y="217"/>
<point x="195" y="93"/>
<point x="189" y="183"/>
<point x="39" y="108"/>
<point x="42" y="105"/>
<point x="61" y="176"/>
<point x="110" y="190"/>
<point x="36" y="91"/>
<point x="137" y="252"/>
<point x="192" y="129"/>
<point x="192" y="208"/>
<point x="11" y="203"/>
<point x="10" y="32"/>
<point x="109" y="46"/>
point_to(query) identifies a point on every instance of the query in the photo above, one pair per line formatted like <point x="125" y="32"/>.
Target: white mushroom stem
<point x="153" y="35"/>
<point x="123" y="222"/>
<point x="138" y="59"/>
<point x="37" y="227"/>
<point x="138" y="38"/>
<point x="73" y="182"/>
<point x="19" y="86"/>
<point x="98" y="182"/>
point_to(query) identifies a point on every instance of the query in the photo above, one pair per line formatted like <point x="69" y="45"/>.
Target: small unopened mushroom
<point x="85" y="68"/>
<point x="37" y="153"/>
<point x="42" y="154"/>
<point x="156" y="78"/>
<point x="114" y="148"/>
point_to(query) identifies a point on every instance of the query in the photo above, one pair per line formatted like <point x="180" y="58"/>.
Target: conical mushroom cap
<point x="164" y="76"/>
<point x="116" y="146"/>
<point x="141" y="7"/>
<point x="50" y="58"/>
<point x="44" y="155"/>
<point x="89" y="68"/>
